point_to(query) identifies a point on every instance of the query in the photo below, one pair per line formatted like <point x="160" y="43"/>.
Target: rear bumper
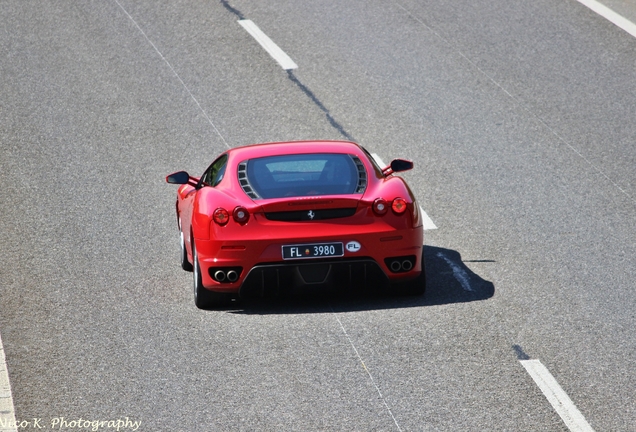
<point x="260" y="265"/>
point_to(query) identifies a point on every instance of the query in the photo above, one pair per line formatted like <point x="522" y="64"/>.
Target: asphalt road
<point x="519" y="117"/>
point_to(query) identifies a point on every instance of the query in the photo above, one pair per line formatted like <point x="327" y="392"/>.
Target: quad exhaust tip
<point x="400" y="264"/>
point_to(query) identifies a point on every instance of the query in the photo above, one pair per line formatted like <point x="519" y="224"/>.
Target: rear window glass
<point x="304" y="175"/>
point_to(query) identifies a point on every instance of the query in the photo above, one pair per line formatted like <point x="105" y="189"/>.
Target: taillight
<point x="399" y="205"/>
<point x="380" y="206"/>
<point x="221" y="216"/>
<point x="241" y="215"/>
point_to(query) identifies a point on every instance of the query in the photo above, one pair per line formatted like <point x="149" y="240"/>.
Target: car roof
<point x="295" y="147"/>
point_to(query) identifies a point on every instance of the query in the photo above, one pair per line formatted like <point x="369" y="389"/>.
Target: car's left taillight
<point x="241" y="215"/>
<point x="221" y="216"/>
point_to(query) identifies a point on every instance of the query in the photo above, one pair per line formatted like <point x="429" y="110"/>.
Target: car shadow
<point x="448" y="280"/>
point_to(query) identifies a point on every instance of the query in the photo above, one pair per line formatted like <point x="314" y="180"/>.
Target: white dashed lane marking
<point x="427" y="221"/>
<point x="459" y="273"/>
<point x="268" y="45"/>
<point x="611" y="16"/>
<point x="559" y="400"/>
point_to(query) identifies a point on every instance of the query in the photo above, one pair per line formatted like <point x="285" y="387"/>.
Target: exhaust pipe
<point x="396" y="266"/>
<point x="219" y="276"/>
<point x="407" y="265"/>
<point x="232" y="276"/>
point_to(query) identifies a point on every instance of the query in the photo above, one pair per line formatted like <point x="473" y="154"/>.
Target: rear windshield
<point x="305" y="175"/>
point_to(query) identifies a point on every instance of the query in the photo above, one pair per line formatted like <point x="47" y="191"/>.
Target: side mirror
<point x="398" y="165"/>
<point x="180" y="177"/>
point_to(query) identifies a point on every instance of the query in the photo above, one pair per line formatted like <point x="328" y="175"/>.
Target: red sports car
<point x="267" y="217"/>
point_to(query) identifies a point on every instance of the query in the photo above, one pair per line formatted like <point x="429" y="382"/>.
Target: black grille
<point x="344" y="274"/>
<point x="309" y="215"/>
<point x="244" y="181"/>
<point x="362" y="175"/>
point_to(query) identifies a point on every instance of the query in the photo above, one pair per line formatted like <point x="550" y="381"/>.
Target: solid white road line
<point x="611" y="16"/>
<point x="7" y="411"/>
<point x="175" y="73"/>
<point x="386" y="405"/>
<point x="277" y="54"/>
<point x="427" y="221"/>
<point x="561" y="402"/>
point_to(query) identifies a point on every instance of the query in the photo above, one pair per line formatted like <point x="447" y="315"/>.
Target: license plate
<point x="313" y="250"/>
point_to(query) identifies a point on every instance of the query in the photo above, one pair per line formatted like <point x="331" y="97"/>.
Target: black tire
<point x="414" y="287"/>
<point x="203" y="298"/>
<point x="185" y="264"/>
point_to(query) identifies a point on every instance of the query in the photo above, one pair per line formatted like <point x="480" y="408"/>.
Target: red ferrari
<point x="267" y="217"/>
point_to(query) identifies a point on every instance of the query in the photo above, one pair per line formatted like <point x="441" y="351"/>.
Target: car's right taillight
<point x="380" y="206"/>
<point x="399" y="206"/>
<point x="221" y="216"/>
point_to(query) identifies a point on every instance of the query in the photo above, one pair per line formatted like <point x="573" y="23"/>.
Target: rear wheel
<point x="203" y="298"/>
<point x="415" y="287"/>
<point x="185" y="264"/>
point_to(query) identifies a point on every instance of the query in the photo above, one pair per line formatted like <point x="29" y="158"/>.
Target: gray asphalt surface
<point x="519" y="117"/>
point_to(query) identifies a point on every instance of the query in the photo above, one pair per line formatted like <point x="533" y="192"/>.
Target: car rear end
<point x="313" y="219"/>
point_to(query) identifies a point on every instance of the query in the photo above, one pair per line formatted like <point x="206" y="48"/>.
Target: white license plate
<point x="313" y="250"/>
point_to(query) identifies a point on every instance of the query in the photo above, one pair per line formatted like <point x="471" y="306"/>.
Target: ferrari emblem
<point x="311" y="214"/>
